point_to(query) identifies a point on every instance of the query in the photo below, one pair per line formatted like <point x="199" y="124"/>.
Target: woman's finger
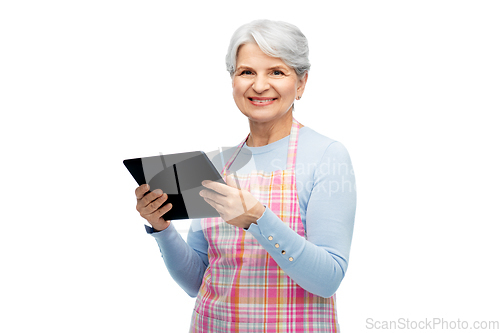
<point x="218" y="187"/>
<point x="217" y="206"/>
<point x="147" y="199"/>
<point x="154" y="205"/>
<point x="231" y="181"/>
<point x="141" y="191"/>
<point x="214" y="196"/>
<point x="157" y="215"/>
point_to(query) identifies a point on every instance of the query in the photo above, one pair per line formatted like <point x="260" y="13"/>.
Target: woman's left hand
<point x="235" y="206"/>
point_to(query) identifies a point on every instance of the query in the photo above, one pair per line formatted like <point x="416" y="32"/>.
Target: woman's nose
<point x="260" y="84"/>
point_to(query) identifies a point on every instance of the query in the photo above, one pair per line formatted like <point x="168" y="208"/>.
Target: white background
<point x="411" y="88"/>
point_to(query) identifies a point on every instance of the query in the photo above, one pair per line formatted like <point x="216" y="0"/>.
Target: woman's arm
<point x="186" y="262"/>
<point x="319" y="263"/>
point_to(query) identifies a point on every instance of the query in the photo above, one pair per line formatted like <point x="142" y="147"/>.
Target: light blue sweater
<point x="327" y="196"/>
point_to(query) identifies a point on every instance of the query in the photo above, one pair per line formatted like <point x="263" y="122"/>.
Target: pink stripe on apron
<point x="243" y="289"/>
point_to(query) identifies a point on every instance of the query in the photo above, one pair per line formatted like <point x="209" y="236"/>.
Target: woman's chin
<point x="263" y="116"/>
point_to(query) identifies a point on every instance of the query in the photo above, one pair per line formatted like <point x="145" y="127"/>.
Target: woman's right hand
<point x="148" y="205"/>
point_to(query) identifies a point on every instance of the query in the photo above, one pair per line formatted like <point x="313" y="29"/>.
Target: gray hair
<point x="276" y="39"/>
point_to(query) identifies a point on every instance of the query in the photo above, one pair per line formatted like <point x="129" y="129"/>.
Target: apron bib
<point x="243" y="289"/>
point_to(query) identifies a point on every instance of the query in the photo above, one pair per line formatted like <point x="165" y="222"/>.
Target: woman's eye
<point x="277" y="72"/>
<point x="246" y="72"/>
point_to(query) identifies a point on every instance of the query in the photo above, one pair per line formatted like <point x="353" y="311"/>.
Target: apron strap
<point x="292" y="145"/>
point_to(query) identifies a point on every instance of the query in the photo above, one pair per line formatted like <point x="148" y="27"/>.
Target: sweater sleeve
<point x="186" y="261"/>
<point x="318" y="262"/>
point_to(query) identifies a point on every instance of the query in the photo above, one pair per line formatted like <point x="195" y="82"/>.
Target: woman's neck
<point x="262" y="134"/>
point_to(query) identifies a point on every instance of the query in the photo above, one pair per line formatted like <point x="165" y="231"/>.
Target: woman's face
<point x="264" y="87"/>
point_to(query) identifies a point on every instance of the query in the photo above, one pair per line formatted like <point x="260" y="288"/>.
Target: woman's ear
<point x="302" y="84"/>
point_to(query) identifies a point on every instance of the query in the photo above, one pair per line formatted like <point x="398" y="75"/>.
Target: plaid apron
<point x="243" y="289"/>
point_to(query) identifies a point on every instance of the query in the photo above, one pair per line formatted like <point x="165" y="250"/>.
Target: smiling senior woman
<point x="274" y="259"/>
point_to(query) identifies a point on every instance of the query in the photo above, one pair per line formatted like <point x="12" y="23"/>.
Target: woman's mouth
<point x="261" y="101"/>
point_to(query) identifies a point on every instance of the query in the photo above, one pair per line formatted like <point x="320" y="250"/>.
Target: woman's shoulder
<point x="312" y="142"/>
<point x="308" y="135"/>
<point x="322" y="158"/>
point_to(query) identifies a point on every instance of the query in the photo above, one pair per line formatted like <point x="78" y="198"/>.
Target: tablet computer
<point x="179" y="176"/>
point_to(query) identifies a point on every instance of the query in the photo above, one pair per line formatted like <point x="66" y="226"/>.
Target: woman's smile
<point x="261" y="101"/>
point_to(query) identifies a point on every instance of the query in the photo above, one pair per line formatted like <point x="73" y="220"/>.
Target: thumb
<point x="230" y="181"/>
